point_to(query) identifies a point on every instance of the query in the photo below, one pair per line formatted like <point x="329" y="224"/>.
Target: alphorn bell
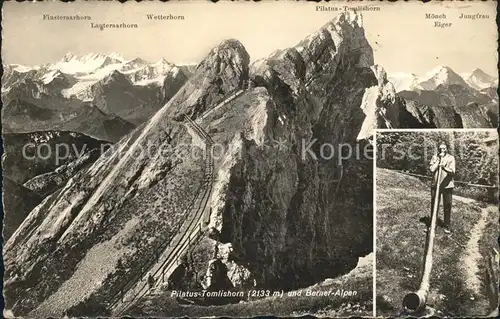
<point x="414" y="301"/>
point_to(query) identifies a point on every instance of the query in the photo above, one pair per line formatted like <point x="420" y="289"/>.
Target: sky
<point x="402" y="39"/>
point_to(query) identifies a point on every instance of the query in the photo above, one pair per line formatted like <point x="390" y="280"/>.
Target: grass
<point x="489" y="238"/>
<point x="402" y="201"/>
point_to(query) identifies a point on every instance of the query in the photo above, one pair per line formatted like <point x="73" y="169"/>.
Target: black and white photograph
<point x="207" y="159"/>
<point x="437" y="223"/>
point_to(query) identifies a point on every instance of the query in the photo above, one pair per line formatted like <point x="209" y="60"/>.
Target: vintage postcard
<point x="217" y="159"/>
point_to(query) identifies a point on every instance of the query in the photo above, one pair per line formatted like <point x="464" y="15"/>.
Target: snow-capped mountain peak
<point x="441" y="75"/>
<point x="22" y="68"/>
<point x="116" y="56"/>
<point x="50" y="76"/>
<point x="134" y="64"/>
<point x="404" y="81"/>
<point x="74" y="75"/>
<point x="163" y="62"/>
<point x="68" y="57"/>
<point x="115" y="77"/>
<point x="73" y="64"/>
<point x="479" y="79"/>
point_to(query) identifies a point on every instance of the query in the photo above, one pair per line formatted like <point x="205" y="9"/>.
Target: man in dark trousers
<point x="151" y="281"/>
<point x="447" y="164"/>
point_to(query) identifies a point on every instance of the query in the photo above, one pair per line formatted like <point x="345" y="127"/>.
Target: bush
<point x="476" y="157"/>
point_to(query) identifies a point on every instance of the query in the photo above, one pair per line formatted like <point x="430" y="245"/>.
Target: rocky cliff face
<point x="287" y="215"/>
<point x="33" y="156"/>
<point x="131" y="198"/>
<point x="289" y="205"/>
<point x="17" y="202"/>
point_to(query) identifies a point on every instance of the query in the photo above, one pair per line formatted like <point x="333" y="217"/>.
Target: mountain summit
<point x="480" y="80"/>
<point x="72" y="64"/>
<point x="442" y="75"/>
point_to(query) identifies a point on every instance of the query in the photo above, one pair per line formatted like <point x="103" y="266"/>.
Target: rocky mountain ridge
<point x="445" y="100"/>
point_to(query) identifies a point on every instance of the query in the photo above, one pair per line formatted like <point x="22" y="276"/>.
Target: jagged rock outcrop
<point x="425" y="116"/>
<point x="222" y="72"/>
<point x="47" y="183"/>
<point x="381" y="104"/>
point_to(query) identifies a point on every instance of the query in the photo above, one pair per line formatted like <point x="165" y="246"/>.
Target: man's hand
<point x="443" y="167"/>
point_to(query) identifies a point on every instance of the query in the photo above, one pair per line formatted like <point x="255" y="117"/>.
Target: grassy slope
<point x="360" y="280"/>
<point x="401" y="201"/>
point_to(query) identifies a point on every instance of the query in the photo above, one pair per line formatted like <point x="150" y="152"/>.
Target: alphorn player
<point x="447" y="163"/>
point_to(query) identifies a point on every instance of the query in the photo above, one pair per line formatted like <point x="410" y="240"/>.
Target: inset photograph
<point x="437" y="223"/>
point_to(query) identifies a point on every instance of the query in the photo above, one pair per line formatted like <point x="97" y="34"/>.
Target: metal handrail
<point x="167" y="263"/>
<point x="153" y="259"/>
<point x="228" y="98"/>
<point x="456" y="182"/>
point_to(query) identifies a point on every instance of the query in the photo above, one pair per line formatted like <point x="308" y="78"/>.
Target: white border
<point x="374" y="194"/>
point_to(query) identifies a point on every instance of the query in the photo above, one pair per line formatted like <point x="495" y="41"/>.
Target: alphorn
<point x="415" y="301"/>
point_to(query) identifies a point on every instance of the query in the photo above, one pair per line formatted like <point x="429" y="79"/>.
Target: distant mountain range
<point x="98" y="89"/>
<point x="444" y="99"/>
<point x="106" y="96"/>
<point x="444" y="76"/>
